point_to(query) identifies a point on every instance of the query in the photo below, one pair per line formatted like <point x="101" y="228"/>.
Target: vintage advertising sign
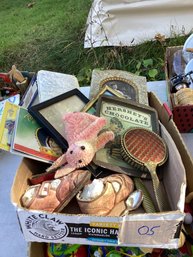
<point x="122" y="114"/>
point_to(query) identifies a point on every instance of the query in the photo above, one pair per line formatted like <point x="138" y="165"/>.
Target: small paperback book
<point x="31" y="139"/>
<point x="7" y="124"/>
<point x="15" y="99"/>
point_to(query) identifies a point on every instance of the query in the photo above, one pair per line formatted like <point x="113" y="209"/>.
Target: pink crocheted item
<point x="84" y="140"/>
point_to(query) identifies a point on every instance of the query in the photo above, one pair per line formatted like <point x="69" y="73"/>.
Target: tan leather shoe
<point x="54" y="195"/>
<point x="126" y="186"/>
<point x="117" y="187"/>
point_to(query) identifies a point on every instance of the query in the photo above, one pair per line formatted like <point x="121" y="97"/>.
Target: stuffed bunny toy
<point x="84" y="140"/>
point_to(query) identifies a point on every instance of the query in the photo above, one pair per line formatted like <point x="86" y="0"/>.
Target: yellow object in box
<point x="7" y="124"/>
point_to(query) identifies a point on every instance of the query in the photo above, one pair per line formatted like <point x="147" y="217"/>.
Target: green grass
<point x="50" y="36"/>
<point x="37" y="38"/>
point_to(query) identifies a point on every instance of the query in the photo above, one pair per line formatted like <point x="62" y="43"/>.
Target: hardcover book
<point x="51" y="84"/>
<point x="31" y="94"/>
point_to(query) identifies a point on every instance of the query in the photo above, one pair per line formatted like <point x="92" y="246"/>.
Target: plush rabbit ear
<point x="104" y="138"/>
<point x="58" y="163"/>
<point x="64" y="171"/>
<point x="75" y="123"/>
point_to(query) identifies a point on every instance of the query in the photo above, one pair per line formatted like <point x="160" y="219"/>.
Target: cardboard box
<point x="157" y="230"/>
<point x="36" y="249"/>
<point x="182" y="115"/>
<point x="183" y="149"/>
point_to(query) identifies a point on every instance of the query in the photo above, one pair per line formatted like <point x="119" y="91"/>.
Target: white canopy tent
<point x="131" y="22"/>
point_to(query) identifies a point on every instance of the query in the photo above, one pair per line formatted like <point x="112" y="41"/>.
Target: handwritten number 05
<point x="145" y="230"/>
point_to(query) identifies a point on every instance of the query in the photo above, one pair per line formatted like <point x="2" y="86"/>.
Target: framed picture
<point x="49" y="113"/>
<point x="90" y="107"/>
<point x="123" y="86"/>
<point x="131" y="86"/>
<point x="121" y="114"/>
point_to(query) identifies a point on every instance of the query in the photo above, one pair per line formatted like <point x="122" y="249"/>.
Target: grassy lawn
<point x="39" y="37"/>
<point x="50" y="36"/>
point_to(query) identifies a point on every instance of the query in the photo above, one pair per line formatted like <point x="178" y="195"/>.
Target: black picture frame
<point x="49" y="113"/>
<point x="122" y="114"/>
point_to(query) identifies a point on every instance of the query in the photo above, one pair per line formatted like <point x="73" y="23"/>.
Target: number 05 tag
<point x="148" y="232"/>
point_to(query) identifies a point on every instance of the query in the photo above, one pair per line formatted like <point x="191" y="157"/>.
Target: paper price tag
<point x="147" y="232"/>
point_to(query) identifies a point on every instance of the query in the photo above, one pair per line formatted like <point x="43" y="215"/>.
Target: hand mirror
<point x="146" y="150"/>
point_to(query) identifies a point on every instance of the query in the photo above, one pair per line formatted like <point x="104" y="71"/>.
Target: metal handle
<point x="160" y="199"/>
